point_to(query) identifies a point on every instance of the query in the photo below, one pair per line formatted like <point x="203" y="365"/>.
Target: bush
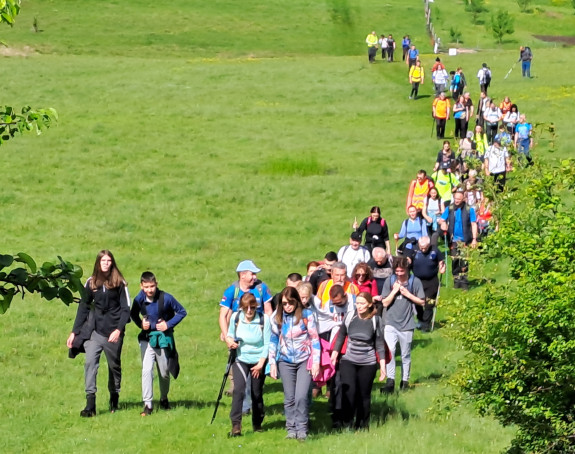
<point x="519" y="333"/>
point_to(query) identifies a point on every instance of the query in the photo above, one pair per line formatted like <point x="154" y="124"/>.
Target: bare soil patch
<point x="25" y="51"/>
<point x="569" y="40"/>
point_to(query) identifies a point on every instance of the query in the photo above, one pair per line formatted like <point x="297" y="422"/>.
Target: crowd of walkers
<point x="338" y="325"/>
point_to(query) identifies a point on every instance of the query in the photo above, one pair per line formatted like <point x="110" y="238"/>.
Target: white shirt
<point x="496" y="157"/>
<point x="351" y="257"/>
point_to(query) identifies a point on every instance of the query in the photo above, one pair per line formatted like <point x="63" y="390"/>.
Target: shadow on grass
<point x="390" y="407"/>
<point x="434" y="376"/>
<point x="173" y="404"/>
<point x="420" y="343"/>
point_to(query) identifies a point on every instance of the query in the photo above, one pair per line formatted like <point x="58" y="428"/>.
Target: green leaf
<point x="19" y="276"/>
<point x="66" y="296"/>
<point x="6" y="260"/>
<point x="5" y="301"/>
<point x="25" y="258"/>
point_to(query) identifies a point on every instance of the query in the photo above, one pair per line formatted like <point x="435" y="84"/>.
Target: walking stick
<point x="509" y="72"/>
<point x="231" y="358"/>
<point x="446" y="262"/>
<point x="435" y="307"/>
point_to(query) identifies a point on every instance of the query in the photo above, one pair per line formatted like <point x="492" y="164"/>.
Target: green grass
<point x="184" y="152"/>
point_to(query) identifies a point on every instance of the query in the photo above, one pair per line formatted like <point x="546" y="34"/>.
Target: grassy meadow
<point x="194" y="135"/>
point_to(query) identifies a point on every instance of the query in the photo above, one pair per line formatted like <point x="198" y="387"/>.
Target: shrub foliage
<point x="519" y="332"/>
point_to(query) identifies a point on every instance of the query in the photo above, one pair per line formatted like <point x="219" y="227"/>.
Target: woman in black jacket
<point x="375" y="228"/>
<point x="102" y="315"/>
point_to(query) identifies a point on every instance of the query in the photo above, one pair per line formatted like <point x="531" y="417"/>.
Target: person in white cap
<point x="247" y="283"/>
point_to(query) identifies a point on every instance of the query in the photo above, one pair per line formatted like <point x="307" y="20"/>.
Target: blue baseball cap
<point x="247" y="265"/>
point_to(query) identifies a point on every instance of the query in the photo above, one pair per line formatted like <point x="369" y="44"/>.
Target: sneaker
<point x="410" y="97"/>
<point x="302" y="436"/>
<point x="147" y="411"/>
<point x="165" y="404"/>
<point x="389" y="387"/>
<point x="291" y="436"/>
<point x="404" y="385"/>
<point x="258" y="428"/>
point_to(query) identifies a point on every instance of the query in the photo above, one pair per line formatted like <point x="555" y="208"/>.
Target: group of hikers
<point x="338" y="325"/>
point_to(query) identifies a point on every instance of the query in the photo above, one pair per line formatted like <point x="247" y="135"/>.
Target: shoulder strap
<point x="410" y="283"/>
<point x="236" y="321"/>
<point x="344" y="251"/>
<point x="348" y="318"/>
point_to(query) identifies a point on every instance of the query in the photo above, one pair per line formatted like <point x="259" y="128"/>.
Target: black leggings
<point x="414" y="89"/>
<point x="241" y="372"/>
<point x="357" y="382"/>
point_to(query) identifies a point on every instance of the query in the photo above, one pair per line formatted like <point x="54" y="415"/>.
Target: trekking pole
<point x="509" y="72"/>
<point x="231" y="358"/>
<point x="446" y="262"/>
<point x="435" y="307"/>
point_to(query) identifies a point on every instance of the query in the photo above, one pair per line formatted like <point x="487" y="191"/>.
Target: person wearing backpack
<point x="376" y="230"/>
<point x="363" y="354"/>
<point x="525" y="57"/>
<point x="249" y="335"/>
<point x="102" y="315"/>
<point x="247" y="282"/>
<point x="412" y="229"/>
<point x="400" y="292"/>
<point x="418" y="190"/>
<point x="156" y="313"/>
<point x="459" y="221"/>
<point x="427" y="262"/>
<point x="294" y="352"/>
<point x="484" y="76"/>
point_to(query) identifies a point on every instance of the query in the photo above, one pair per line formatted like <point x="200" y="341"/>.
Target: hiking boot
<point x="114" y="398"/>
<point x="404" y="385"/>
<point x="389" y="387"/>
<point x="147" y="411"/>
<point x="165" y="404"/>
<point x="236" y="430"/>
<point x="90" y="409"/>
<point x="258" y="428"/>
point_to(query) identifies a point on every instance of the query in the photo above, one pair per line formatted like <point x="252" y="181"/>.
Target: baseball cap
<point x="445" y="165"/>
<point x="355" y="236"/>
<point x="247" y="265"/>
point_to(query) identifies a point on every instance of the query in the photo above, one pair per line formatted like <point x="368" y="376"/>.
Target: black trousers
<point x="458" y="264"/>
<point x="414" y="89"/>
<point x="425" y="313"/>
<point x="440" y="127"/>
<point x="390" y="53"/>
<point x="357" y="382"/>
<point x="460" y="128"/>
<point x="499" y="179"/>
<point x="491" y="131"/>
<point x="371" y="53"/>
<point x="242" y="373"/>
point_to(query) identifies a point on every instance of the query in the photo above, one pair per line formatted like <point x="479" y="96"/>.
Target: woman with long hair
<point x="432" y="210"/>
<point x="294" y="352"/>
<point x="249" y="334"/>
<point x="362" y="276"/>
<point x="364" y="353"/>
<point x="102" y="315"/>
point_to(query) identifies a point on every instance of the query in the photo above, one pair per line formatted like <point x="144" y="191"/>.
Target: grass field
<point x="194" y="135"/>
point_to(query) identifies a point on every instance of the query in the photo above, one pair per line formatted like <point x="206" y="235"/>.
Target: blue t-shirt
<point x="233" y="294"/>
<point x="413" y="53"/>
<point x="523" y="130"/>
<point x="458" y="225"/>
